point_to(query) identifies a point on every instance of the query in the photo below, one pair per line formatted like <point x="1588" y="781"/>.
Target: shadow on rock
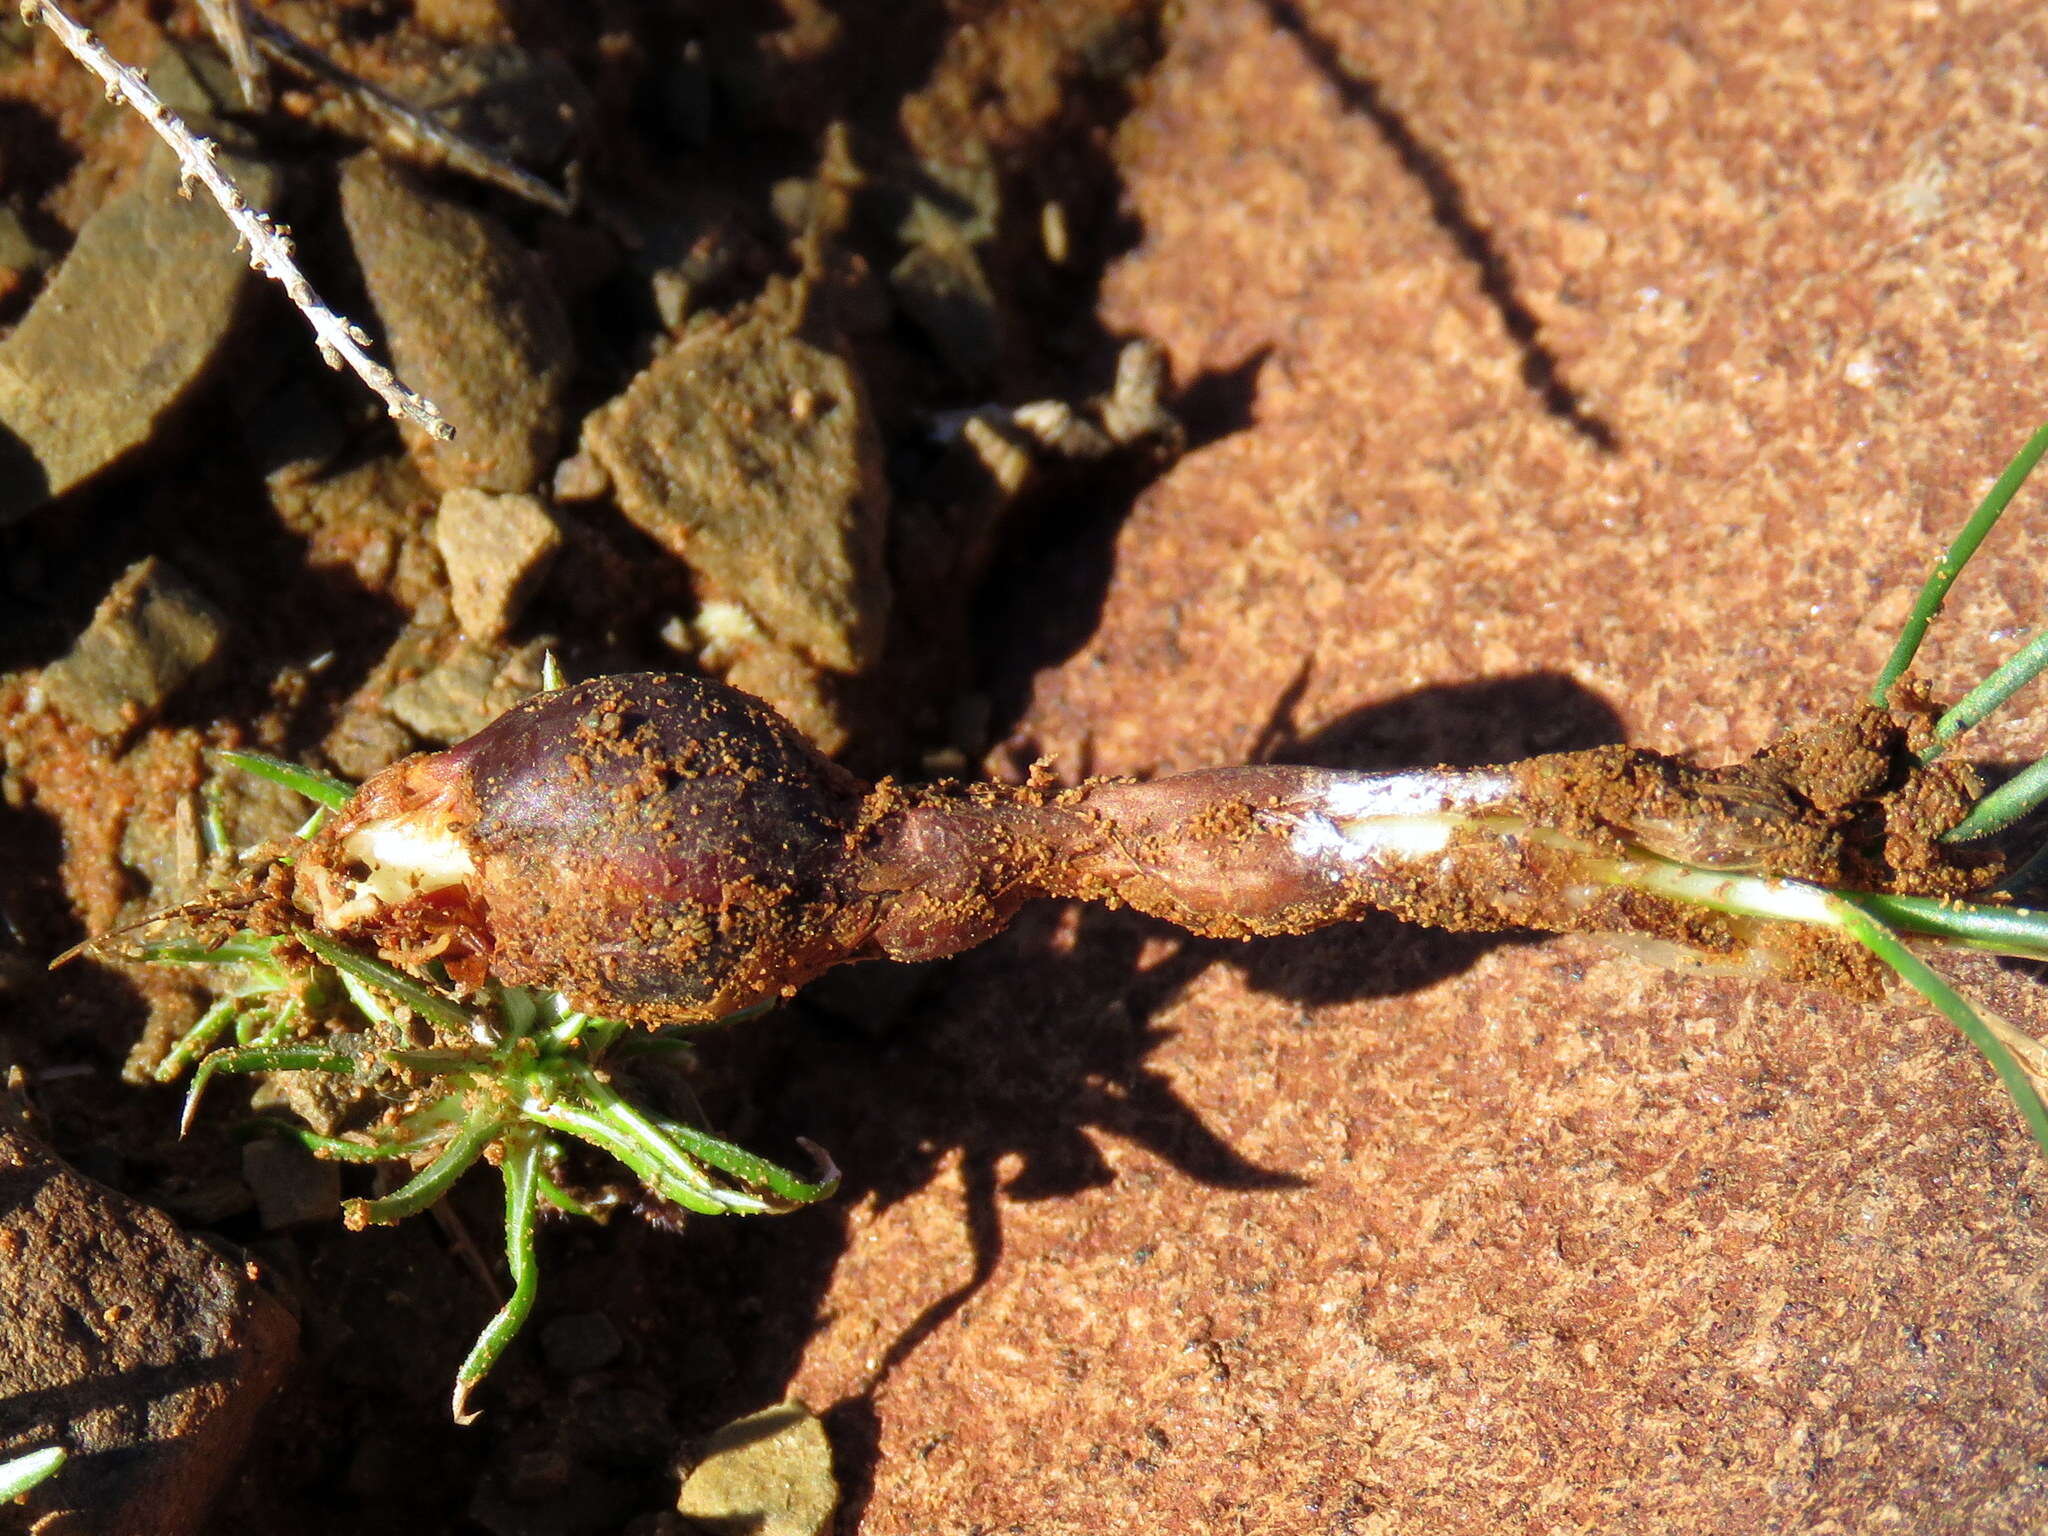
<point x="1454" y="214"/>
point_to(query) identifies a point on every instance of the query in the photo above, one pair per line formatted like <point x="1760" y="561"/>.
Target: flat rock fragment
<point x="149" y="636"/>
<point x="470" y="322"/>
<point x="146" y="1353"/>
<point x="465" y="692"/>
<point x="769" y="1474"/>
<point x="497" y="548"/>
<point x="751" y="454"/>
<point x="126" y="326"/>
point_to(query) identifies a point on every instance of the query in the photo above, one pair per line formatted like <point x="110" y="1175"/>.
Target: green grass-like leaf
<point x="323" y="789"/>
<point x="388" y="979"/>
<point x="1951" y="564"/>
<point x="2015" y="799"/>
<point x="1917" y="974"/>
<point x="25" y="1472"/>
<point x="2020" y="669"/>
<point x="524" y="1152"/>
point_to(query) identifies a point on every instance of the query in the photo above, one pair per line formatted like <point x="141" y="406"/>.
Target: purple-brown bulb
<point x="659" y="848"/>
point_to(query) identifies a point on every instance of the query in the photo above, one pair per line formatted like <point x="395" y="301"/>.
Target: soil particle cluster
<point x="1842" y="802"/>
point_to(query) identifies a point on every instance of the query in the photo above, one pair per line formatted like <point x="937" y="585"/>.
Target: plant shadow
<point x="1019" y="1055"/>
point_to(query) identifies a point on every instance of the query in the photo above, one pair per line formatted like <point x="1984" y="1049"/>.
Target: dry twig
<point x="228" y="23"/>
<point x="270" y="247"/>
<point x="412" y="128"/>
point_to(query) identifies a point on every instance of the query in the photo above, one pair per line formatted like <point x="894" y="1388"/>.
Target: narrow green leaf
<point x="1951" y="564"/>
<point x="521" y="1170"/>
<point x="276" y="1058"/>
<point x="752" y="1169"/>
<point x="2018" y="931"/>
<point x="197" y="1040"/>
<point x="25" y="1472"/>
<point x="2017" y="797"/>
<point x="322" y="789"/>
<point x="372" y="972"/>
<point x="432" y="1181"/>
<point x="1918" y="975"/>
<point x="2019" y="669"/>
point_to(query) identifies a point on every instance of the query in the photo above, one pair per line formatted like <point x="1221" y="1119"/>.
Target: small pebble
<point x="497" y="548"/>
<point x="149" y="636"/>
<point x="769" y="1474"/>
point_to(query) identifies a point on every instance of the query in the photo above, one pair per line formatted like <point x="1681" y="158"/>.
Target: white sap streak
<point x="1423" y="793"/>
<point x="1401" y="839"/>
<point x="1393" y="818"/>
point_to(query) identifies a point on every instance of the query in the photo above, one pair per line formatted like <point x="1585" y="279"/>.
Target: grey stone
<point x="470" y="323"/>
<point x="769" y="1474"/>
<point x="751" y="454"/>
<point x="292" y="1187"/>
<point x="150" y="634"/>
<point x="497" y="548"/>
<point x="129" y="322"/>
<point x="941" y="286"/>
<point x="147" y="1353"/>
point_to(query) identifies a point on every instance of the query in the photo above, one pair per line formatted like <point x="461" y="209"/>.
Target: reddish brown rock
<point x="1614" y="375"/>
<point x="146" y="1353"/>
